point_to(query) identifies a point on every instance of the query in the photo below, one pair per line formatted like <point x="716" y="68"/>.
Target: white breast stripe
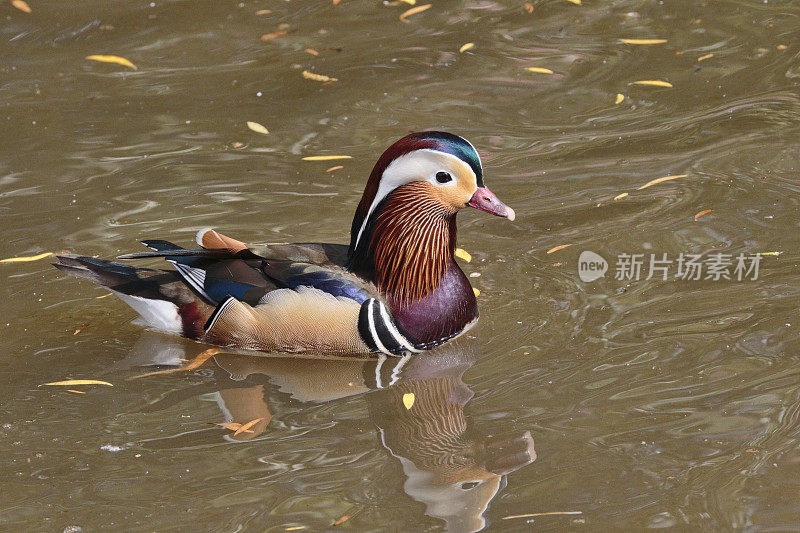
<point x="389" y="323"/>
<point x="374" y="332"/>
<point x="219" y="311"/>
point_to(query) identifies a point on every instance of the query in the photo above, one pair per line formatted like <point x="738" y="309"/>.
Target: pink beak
<point x="485" y="200"/>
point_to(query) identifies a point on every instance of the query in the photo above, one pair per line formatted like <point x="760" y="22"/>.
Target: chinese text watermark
<point x="692" y="267"/>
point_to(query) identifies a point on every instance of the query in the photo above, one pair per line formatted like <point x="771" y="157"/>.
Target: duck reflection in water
<point x="451" y="468"/>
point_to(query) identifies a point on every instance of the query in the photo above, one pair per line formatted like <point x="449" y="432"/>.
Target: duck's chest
<point x="442" y="314"/>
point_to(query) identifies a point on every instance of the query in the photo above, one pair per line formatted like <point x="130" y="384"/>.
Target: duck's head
<point x="436" y="166"/>
<point x="407" y="213"/>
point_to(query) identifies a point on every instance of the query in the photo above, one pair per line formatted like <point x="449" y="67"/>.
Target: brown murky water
<point x="652" y="402"/>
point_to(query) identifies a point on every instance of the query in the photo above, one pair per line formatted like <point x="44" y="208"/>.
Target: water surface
<point x="642" y="403"/>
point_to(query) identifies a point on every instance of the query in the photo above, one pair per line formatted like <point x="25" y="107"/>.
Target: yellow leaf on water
<point x="414" y="11"/>
<point x="541" y="70"/>
<point x="463" y="254"/>
<point x="195" y="363"/>
<point x="312" y="52"/>
<point x="337" y="167"/>
<point x="776" y="254"/>
<point x="76" y="391"/>
<point x="476" y="292"/>
<point x="576" y="2"/>
<point x="557" y="248"/>
<point x="620" y="98"/>
<point x="263" y="12"/>
<point x="294" y="528"/>
<point x="659" y="180"/>
<point x="317" y="77"/>
<point x="529" y="7"/>
<point x="465" y="47"/>
<point x="326" y="157"/>
<point x="274" y="35"/>
<point x="410" y="2"/>
<point x="233" y="426"/>
<point x="643" y="41"/>
<point x="246" y="427"/>
<point x="408" y="399"/>
<point x="72" y="382"/>
<point x="112" y="59"/>
<point x="551" y="513"/>
<point x="620" y="196"/>
<point x="654" y="83"/>
<point x="25" y="259"/>
<point x="701" y="213"/>
<point x="21" y="5"/>
<point x="342" y="520"/>
<point x="707" y="56"/>
<point x="103" y="296"/>
<point x="258" y="128"/>
<point x="336" y="2"/>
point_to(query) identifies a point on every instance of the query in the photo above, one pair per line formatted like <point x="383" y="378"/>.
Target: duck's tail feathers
<point x="159" y="296"/>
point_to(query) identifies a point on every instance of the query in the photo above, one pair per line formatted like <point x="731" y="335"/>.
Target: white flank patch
<point x="158" y="314"/>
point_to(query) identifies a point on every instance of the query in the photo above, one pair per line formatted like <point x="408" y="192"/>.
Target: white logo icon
<point x="591" y="266"/>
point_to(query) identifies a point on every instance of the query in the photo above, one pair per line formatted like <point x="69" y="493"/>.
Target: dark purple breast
<point x="442" y="314"/>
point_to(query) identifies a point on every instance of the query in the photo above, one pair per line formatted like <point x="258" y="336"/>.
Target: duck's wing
<point x="291" y="297"/>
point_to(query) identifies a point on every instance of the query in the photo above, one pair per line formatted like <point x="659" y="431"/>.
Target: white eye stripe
<point x="412" y="167"/>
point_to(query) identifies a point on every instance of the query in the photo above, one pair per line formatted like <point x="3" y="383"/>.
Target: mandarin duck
<point x="394" y="290"/>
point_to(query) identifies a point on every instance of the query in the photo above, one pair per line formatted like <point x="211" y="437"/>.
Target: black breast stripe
<point x="380" y="333"/>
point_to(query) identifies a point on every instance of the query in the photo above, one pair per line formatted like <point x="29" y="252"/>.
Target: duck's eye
<point x="443" y="177"/>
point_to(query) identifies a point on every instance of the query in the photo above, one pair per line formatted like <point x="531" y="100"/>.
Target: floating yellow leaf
<point x="326" y="157"/>
<point x="113" y="59"/>
<point x="557" y="248"/>
<point x="408" y="399"/>
<point x="465" y="47"/>
<point x="707" y="56"/>
<point x="317" y="77"/>
<point x="463" y="254"/>
<point x="781" y="47"/>
<point x="659" y="180"/>
<point x="336" y="2"/>
<point x="246" y="427"/>
<point x="620" y="98"/>
<point x="776" y="254"/>
<point x="701" y="213"/>
<point x="258" y="128"/>
<point x="21" y="5"/>
<point x="233" y="426"/>
<point x="72" y="382"/>
<point x="103" y="296"/>
<point x="410" y="2"/>
<point x="643" y="41"/>
<point x="297" y="528"/>
<point x="654" y="83"/>
<point x="476" y="292"/>
<point x="551" y="513"/>
<point x="576" y="2"/>
<point x="25" y="259"/>
<point x="342" y="520"/>
<point x="337" y="167"/>
<point x="263" y="12"/>
<point x="312" y="52"/>
<point x="76" y="391"/>
<point x="541" y="70"/>
<point x="196" y="362"/>
<point x="414" y="11"/>
<point x="274" y="35"/>
<point x="529" y="7"/>
<point x="620" y="196"/>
